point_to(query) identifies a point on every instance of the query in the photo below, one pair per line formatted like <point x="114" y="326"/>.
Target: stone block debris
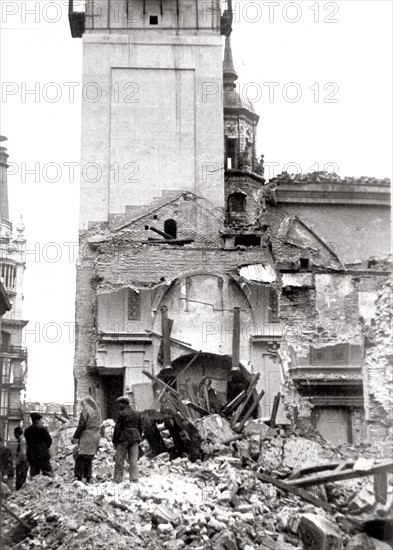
<point x="224" y="500"/>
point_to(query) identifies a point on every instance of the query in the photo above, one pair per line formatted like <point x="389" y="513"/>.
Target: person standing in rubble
<point x="87" y="436"/>
<point x="126" y="437"/>
<point x="38" y="442"/>
<point x="21" y="466"/>
<point x="6" y="464"/>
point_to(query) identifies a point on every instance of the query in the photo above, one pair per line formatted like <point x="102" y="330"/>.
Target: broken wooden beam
<point x="15" y="516"/>
<point x="381" y="486"/>
<point x="195" y="407"/>
<point x="166" y="333"/>
<point x="174" y="340"/>
<point x="160" y="382"/>
<point x="250" y="411"/>
<point x="276" y="404"/>
<point x="243" y="405"/>
<point x="159" y="232"/>
<point x="236" y="338"/>
<point x="189" y="364"/>
<point x="349" y="473"/>
<point x="235" y="402"/>
<point x="320" y="468"/>
<point x="301" y="493"/>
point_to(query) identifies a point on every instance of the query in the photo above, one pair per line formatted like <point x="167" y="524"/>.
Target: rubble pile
<point x="221" y="503"/>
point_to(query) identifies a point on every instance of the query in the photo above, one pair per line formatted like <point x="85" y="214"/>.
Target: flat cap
<point x="123" y="399"/>
<point x="35" y="416"/>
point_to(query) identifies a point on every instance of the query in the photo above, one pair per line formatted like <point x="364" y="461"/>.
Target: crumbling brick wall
<point x="321" y="313"/>
<point x="378" y="368"/>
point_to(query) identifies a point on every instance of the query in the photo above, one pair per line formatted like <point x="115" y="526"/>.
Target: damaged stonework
<point x="300" y="311"/>
<point x="198" y="263"/>
<point x="302" y="314"/>
<point x="322" y="350"/>
<point x="378" y="370"/>
<point x="352" y="215"/>
<point x="135" y="272"/>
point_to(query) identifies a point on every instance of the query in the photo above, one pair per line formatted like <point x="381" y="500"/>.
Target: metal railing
<point x="18" y="351"/>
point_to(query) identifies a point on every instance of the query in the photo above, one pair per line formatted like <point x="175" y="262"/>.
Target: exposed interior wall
<point x="358" y="232"/>
<point x="378" y="369"/>
<point x="323" y="347"/>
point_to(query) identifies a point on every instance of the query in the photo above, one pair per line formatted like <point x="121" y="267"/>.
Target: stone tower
<point x="240" y="120"/>
<point x="152" y="76"/>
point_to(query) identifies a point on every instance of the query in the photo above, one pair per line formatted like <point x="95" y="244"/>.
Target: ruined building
<point x="13" y="356"/>
<point x="188" y="253"/>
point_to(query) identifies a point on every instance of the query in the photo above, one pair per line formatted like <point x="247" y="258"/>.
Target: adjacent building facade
<point x="13" y="356"/>
<point x="188" y="254"/>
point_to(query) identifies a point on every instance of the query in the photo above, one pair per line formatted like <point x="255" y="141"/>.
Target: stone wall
<point x="378" y="368"/>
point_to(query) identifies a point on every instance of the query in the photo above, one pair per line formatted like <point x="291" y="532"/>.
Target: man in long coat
<point x="87" y="435"/>
<point x="21" y="466"/>
<point x="126" y="437"/>
<point x="38" y="441"/>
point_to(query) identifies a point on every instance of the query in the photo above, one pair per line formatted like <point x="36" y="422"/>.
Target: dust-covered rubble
<point x="218" y="503"/>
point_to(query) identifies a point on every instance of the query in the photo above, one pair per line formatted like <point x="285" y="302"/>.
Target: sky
<point x="318" y="73"/>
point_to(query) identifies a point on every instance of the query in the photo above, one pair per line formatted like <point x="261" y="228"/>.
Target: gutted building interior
<point x="212" y="275"/>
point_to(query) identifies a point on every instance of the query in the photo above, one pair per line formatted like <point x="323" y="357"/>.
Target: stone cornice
<point x="334" y="193"/>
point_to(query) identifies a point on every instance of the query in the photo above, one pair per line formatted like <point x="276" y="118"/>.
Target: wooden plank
<point x="344" y="474"/>
<point x="235" y="402"/>
<point x="250" y="411"/>
<point x="319" y="468"/>
<point x="276" y="404"/>
<point x="160" y="382"/>
<point x="15" y="516"/>
<point x="206" y="398"/>
<point x="236" y="338"/>
<point x="193" y="398"/>
<point x="381" y="486"/>
<point x="196" y="407"/>
<point x="189" y="364"/>
<point x="161" y="394"/>
<point x="301" y="493"/>
<point x="341" y="467"/>
<point x="242" y="406"/>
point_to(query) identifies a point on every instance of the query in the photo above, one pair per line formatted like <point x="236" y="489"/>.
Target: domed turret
<point x="240" y="119"/>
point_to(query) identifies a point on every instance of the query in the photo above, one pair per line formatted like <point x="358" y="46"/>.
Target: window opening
<point x="237" y="202"/>
<point x="304" y="263"/>
<point x="170" y="228"/>
<point x="248" y="240"/>
<point x="134" y="304"/>
<point x="231" y="153"/>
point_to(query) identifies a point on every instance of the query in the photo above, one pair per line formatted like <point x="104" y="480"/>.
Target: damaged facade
<point x="13" y="356"/>
<point x="187" y="252"/>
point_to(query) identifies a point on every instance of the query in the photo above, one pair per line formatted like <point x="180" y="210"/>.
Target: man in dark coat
<point x="38" y="442"/>
<point x="21" y="466"/>
<point x="126" y="437"/>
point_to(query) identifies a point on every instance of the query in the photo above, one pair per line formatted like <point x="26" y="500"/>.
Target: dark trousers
<point x="21" y="474"/>
<point x="131" y="452"/>
<point x="84" y="467"/>
<point x="40" y="467"/>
